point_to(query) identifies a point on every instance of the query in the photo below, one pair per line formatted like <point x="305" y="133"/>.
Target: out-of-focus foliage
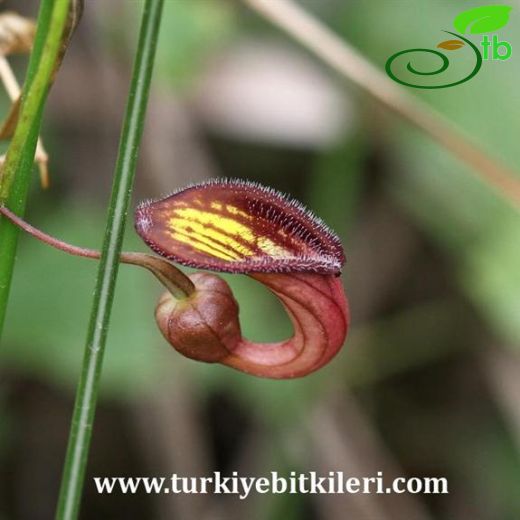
<point x="190" y="32"/>
<point x="40" y="298"/>
<point x="479" y="230"/>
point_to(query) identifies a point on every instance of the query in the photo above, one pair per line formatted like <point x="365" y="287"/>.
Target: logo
<point x="480" y="20"/>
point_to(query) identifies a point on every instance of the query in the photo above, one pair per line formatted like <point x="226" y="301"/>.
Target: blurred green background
<point x="428" y="381"/>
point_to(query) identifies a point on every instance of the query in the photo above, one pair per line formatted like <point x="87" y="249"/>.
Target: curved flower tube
<point x="205" y="326"/>
<point x="242" y="227"/>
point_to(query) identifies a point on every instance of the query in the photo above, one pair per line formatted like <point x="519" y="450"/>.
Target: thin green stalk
<point x="87" y="392"/>
<point x="16" y="173"/>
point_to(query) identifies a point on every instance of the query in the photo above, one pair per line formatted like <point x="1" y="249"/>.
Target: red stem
<point x="48" y="239"/>
<point x="171" y="277"/>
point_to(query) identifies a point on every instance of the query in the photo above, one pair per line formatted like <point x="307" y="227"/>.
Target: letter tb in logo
<point x="499" y="50"/>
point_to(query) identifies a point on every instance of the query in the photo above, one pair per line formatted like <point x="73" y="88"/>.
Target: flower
<point x="242" y="227"/>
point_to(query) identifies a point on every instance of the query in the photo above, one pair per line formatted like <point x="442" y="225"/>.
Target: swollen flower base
<point x="238" y="227"/>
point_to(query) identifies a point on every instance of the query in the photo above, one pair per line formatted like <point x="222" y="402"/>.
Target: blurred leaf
<point x="190" y="33"/>
<point x="403" y="341"/>
<point x="486" y="18"/>
<point x="451" y="45"/>
<point x="490" y="446"/>
<point x="491" y="276"/>
<point x="8" y="125"/>
<point x="336" y="183"/>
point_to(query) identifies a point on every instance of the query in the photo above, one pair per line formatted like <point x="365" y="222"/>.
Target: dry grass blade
<point x="16" y="33"/>
<point x="16" y="37"/>
<point x="8" y="126"/>
<point x="75" y="13"/>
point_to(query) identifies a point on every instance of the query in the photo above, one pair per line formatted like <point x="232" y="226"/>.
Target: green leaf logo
<point x="487" y="18"/>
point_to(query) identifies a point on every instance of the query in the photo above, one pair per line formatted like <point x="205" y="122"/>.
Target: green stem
<point x="16" y="173"/>
<point x="87" y="392"/>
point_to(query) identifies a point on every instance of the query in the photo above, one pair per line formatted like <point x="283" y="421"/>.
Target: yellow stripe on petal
<point x="271" y="248"/>
<point x="228" y="225"/>
<point x="206" y="225"/>
<point x="195" y="230"/>
<point x="235" y="211"/>
<point x="181" y="237"/>
<point x="217" y="238"/>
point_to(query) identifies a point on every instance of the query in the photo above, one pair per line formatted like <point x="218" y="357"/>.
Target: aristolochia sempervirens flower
<point x="242" y="227"/>
<point x="238" y="227"/>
